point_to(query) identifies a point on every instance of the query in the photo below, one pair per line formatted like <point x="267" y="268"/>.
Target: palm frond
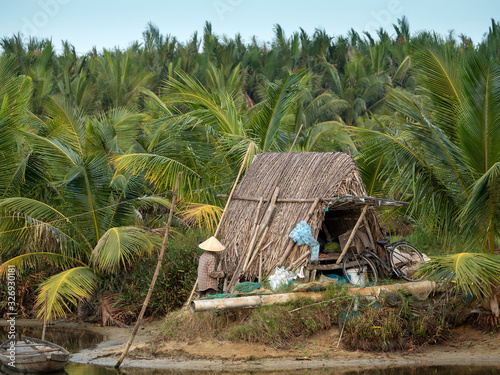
<point x="120" y="246"/>
<point x="153" y="201"/>
<point x="160" y="170"/>
<point x="473" y="273"/>
<point x="438" y="70"/>
<point x="217" y="111"/>
<point x="201" y="215"/>
<point x="72" y="120"/>
<point x="402" y="68"/>
<point x="279" y="100"/>
<point x="483" y="209"/>
<point x="479" y="116"/>
<point x="35" y="219"/>
<point x="153" y="98"/>
<point x="31" y="260"/>
<point x="68" y="286"/>
<point x="117" y="129"/>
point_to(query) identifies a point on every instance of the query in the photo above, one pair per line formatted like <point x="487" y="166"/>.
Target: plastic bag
<point x="302" y="235"/>
<point x="281" y="277"/>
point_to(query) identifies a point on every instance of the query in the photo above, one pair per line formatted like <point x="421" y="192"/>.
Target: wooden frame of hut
<point x="278" y="191"/>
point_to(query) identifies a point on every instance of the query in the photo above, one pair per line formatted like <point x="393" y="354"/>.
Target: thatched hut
<point x="278" y="191"/>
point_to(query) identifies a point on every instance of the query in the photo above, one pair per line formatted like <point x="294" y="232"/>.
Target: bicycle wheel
<point x="405" y="259"/>
<point x="359" y="270"/>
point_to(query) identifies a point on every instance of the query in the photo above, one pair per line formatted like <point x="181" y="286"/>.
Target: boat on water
<point x="32" y="355"/>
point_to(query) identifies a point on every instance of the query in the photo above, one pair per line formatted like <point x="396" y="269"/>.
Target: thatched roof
<point x="301" y="177"/>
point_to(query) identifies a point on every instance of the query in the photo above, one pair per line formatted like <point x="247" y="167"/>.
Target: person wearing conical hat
<point x="207" y="275"/>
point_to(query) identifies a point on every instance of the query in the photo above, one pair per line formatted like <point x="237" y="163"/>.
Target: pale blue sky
<point x="118" y="23"/>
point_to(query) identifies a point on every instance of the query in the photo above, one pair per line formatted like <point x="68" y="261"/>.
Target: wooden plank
<point x="368" y="230"/>
<point x="324" y="267"/>
<point x="39" y="351"/>
<point x="334" y="266"/>
<point x="353" y="233"/>
<point x="331" y="256"/>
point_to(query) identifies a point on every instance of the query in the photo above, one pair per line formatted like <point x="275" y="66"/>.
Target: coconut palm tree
<point x="15" y="95"/>
<point x="82" y="217"/>
<point x="440" y="149"/>
<point x="205" y="133"/>
<point x="119" y="78"/>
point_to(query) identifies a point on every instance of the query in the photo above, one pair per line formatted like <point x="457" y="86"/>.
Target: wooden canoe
<point x="33" y="355"/>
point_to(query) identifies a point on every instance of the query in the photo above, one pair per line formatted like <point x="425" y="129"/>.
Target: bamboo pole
<point x="232" y="190"/>
<point x="263" y="225"/>
<point x="155" y="276"/>
<point x="419" y="288"/>
<point x="45" y="315"/>
<point x="300" y="259"/>
<point x="223" y="213"/>
<point x="254" y="235"/>
<point x="260" y="266"/>
<point x="251" y="301"/>
<point x="356" y="200"/>
<point x="258" y="233"/>
<point x="353" y="233"/>
<point x="269" y="212"/>
<point x="256" y="250"/>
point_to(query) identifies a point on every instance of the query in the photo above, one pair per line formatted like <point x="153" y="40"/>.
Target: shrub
<point x="175" y="281"/>
<point x="406" y="324"/>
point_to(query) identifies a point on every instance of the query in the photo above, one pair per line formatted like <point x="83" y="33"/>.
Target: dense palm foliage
<point x="443" y="143"/>
<point x="91" y="144"/>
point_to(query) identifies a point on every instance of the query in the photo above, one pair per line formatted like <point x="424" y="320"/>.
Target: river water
<point x="76" y="340"/>
<point x="82" y="369"/>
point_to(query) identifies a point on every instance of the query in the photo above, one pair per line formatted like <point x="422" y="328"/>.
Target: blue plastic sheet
<point x="303" y="236"/>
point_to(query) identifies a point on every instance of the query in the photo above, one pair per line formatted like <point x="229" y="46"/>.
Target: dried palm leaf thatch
<point x="301" y="177"/>
<point x="112" y="315"/>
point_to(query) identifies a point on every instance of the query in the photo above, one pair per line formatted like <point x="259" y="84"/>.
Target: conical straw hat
<point x="212" y="244"/>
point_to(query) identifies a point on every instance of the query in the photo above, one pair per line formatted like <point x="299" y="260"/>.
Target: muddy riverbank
<point x="468" y="346"/>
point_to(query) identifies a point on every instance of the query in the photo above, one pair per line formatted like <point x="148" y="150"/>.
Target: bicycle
<point x="402" y="257"/>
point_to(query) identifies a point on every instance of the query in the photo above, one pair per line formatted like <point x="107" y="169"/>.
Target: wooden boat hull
<point x="34" y="356"/>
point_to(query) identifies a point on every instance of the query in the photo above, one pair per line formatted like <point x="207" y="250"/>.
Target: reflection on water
<point x="82" y="369"/>
<point x="76" y="340"/>
<point x="73" y="340"/>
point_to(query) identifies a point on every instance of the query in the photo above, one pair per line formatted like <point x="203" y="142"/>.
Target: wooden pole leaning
<point x="299" y="260"/>
<point x="267" y="216"/>
<point x="256" y="249"/>
<point x="243" y="254"/>
<point x="45" y="314"/>
<point x="223" y="213"/>
<point x="155" y="276"/>
<point x="262" y="226"/>
<point x="353" y="233"/>
<point x="258" y="233"/>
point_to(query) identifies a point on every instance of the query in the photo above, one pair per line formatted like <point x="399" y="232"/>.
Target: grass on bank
<point x="395" y="321"/>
